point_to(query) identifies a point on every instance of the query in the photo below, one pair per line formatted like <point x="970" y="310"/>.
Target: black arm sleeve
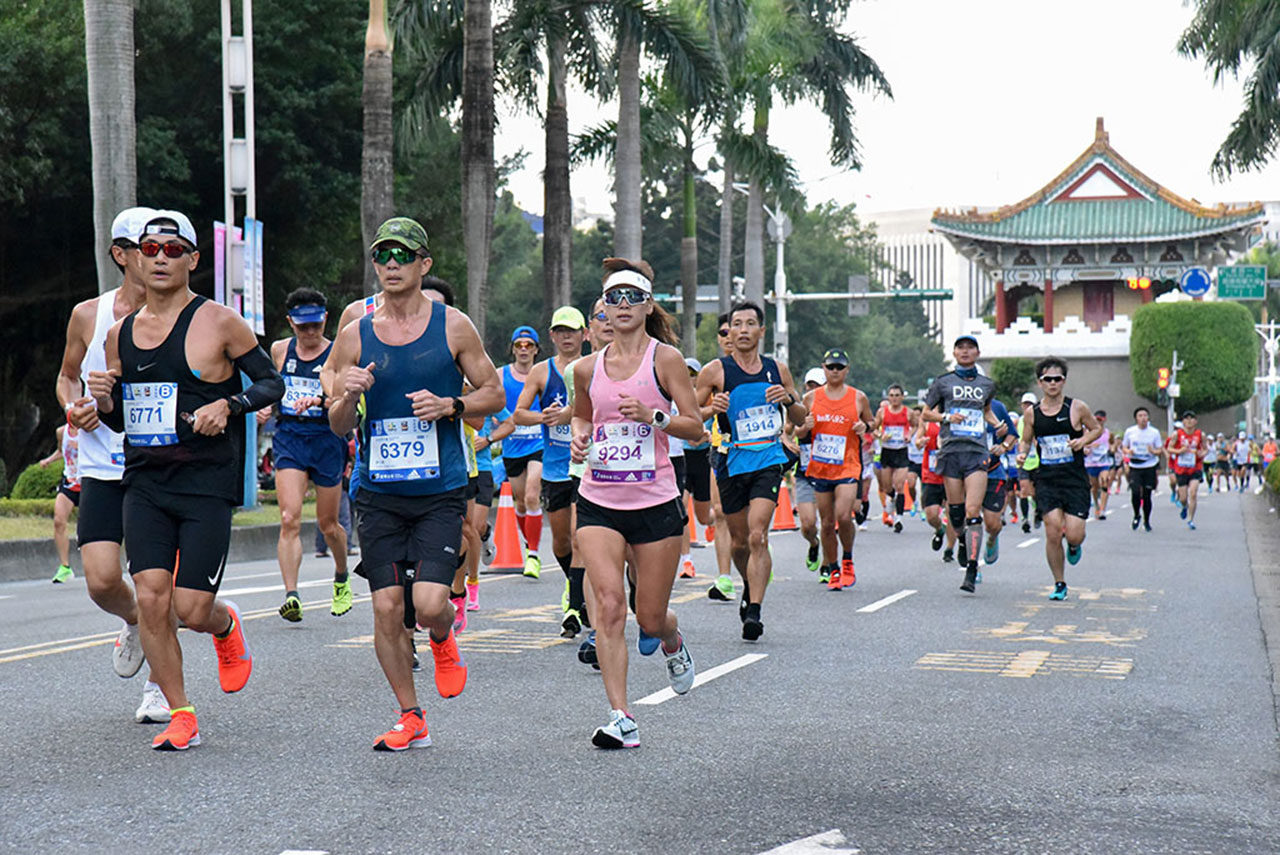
<point x="268" y="386"/>
<point x="115" y="419"/>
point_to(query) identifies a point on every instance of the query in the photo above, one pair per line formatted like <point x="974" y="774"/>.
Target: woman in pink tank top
<point x="628" y="496"/>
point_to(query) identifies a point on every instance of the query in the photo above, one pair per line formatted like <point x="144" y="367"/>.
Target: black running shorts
<point x="679" y="467"/>
<point x="697" y="474"/>
<point x="101" y="511"/>
<point x="558" y="495"/>
<point x="737" y="491"/>
<point x="961" y="462"/>
<point x="893" y="458"/>
<point x="1185" y="478"/>
<point x="73" y="496"/>
<point x="158" y="525"/>
<point x="422" y="530"/>
<point x="994" y="498"/>
<point x="1144" y="477"/>
<point x="1052" y="494"/>
<point x="515" y="466"/>
<point x="933" y="494"/>
<point x="645" y="525"/>
<point x="484" y="488"/>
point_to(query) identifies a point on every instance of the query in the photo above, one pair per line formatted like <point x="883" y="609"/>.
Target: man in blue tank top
<point x="406" y="361"/>
<point x="522" y="450"/>
<point x="304" y="447"/>
<point x="545" y="386"/>
<point x="750" y="395"/>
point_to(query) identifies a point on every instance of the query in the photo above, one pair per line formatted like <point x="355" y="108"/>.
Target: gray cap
<point x="694" y="365"/>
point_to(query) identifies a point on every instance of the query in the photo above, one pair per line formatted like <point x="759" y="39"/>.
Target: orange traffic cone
<point x="691" y="525"/>
<point x="784" y="519"/>
<point x="505" y="537"/>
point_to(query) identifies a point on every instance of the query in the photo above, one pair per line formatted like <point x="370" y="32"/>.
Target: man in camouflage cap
<point x="407" y="232"/>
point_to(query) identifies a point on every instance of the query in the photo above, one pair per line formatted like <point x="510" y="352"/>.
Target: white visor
<point x="628" y="277"/>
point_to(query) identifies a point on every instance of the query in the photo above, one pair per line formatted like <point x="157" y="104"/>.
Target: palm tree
<point x="1229" y="34"/>
<point x="377" y="176"/>
<point x="108" y="50"/>
<point x="479" y="179"/>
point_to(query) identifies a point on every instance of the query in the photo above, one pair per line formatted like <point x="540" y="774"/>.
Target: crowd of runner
<point x="395" y="423"/>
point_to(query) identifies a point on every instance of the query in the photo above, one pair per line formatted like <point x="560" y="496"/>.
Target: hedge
<point x="26" y="508"/>
<point x="38" y="483"/>
<point x="1215" y="342"/>
<point x="1013" y="377"/>
<point x="1272" y="475"/>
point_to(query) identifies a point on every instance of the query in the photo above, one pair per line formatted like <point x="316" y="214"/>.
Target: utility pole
<point x="1270" y="333"/>
<point x="780" y="228"/>
<point x="1174" y="390"/>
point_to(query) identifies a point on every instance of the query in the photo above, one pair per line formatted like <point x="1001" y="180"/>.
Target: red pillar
<point x="1148" y="295"/>
<point x="1002" y="307"/>
<point x="1048" y="305"/>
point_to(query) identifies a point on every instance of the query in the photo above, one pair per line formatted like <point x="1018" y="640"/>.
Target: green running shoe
<point x="564" y="598"/>
<point x="533" y="567"/>
<point x="341" y="599"/>
<point x="722" y="589"/>
<point x="291" y="609"/>
<point x="812" y="561"/>
<point x="64" y="573"/>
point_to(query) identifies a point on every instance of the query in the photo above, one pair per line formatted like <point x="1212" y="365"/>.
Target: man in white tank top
<point x="101" y="527"/>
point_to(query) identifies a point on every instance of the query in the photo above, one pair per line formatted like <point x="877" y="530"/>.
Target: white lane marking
<point x="825" y="843"/>
<point x="705" y="677"/>
<point x="1257" y="490"/>
<point x="263" y="589"/>
<point x="305" y="852"/>
<point x="6" y="596"/>
<point x="1032" y="542"/>
<point x="887" y="601"/>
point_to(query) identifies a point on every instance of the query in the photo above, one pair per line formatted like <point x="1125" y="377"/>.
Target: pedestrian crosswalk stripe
<point x="1025" y="664"/>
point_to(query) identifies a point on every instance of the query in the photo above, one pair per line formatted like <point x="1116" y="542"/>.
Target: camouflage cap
<point x="404" y="231"/>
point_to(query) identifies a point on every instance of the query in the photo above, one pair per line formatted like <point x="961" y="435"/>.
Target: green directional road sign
<point x="922" y="294"/>
<point x="1242" y="282"/>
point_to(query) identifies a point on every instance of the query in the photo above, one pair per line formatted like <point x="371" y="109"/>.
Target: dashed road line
<point x="887" y="601"/>
<point x="705" y="677"/>
<point x="827" y="843"/>
<point x="1032" y="542"/>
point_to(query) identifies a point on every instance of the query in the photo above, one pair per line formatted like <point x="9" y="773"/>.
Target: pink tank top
<point x="628" y="466"/>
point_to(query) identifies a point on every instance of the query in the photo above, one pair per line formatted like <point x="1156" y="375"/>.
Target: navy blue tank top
<point x="753" y="425"/>
<point x="302" y="380"/>
<point x="400" y="454"/>
<point x="555" y="454"/>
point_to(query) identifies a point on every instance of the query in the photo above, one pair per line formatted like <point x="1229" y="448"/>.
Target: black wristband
<point x="237" y="405"/>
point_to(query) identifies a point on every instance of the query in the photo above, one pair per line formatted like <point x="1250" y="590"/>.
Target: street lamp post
<point x="779" y="229"/>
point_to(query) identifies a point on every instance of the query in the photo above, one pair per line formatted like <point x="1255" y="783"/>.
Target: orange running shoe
<point x="710" y="534"/>
<point x="451" y="671"/>
<point x="833" y="581"/>
<point x="686" y="570"/>
<point x="886" y="518"/>
<point x="235" y="664"/>
<point x="181" y="734"/>
<point x="847" y="577"/>
<point x="410" y="732"/>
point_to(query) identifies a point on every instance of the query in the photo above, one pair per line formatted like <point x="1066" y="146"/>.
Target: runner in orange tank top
<point x="838" y="417"/>
<point x="894" y="425"/>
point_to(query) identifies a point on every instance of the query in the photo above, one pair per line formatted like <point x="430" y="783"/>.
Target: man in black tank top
<point x="1061" y="427"/>
<point x="180" y="403"/>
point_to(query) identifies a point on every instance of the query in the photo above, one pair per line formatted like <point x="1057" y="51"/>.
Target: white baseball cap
<point x="1029" y="397"/>
<point x="155" y="226"/>
<point x="816" y="375"/>
<point x="129" y="223"/>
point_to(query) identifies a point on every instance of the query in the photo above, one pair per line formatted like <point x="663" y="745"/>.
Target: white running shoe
<point x="154" y="709"/>
<point x="680" y="669"/>
<point x="620" y="732"/>
<point x="127" y="657"/>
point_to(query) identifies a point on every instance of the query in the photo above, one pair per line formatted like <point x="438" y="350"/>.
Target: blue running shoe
<point x="978" y="577"/>
<point x="587" y="651"/>
<point x="1073" y="553"/>
<point x="1059" y="591"/>
<point x="992" y="554"/>
<point x="1183" y="513"/>
<point x="647" y="644"/>
<point x="1191" y="524"/>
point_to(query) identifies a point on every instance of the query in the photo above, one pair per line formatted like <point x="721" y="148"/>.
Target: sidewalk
<point x="1262" y="534"/>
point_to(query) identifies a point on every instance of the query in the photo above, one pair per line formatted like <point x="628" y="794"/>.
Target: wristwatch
<point x="459" y="407"/>
<point x="660" y="420"/>
<point x="236" y="405"/>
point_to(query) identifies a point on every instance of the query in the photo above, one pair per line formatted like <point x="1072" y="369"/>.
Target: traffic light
<point x="1162" y="378"/>
<point x="1139" y="283"/>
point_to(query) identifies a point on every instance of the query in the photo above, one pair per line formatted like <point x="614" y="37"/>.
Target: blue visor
<point x="309" y="313"/>
<point x="525" y="332"/>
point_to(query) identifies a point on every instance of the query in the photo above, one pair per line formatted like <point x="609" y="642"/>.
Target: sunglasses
<point x="724" y="333"/>
<point x="521" y="344"/>
<point x="835" y="367"/>
<point x="1052" y="378"/>
<point x="601" y="317"/>
<point x="382" y="255"/>
<point x="632" y="296"/>
<point x="153" y="248"/>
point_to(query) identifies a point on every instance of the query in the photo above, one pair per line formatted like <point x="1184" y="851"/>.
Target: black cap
<point x="835" y="356"/>
<point x="1189" y="414"/>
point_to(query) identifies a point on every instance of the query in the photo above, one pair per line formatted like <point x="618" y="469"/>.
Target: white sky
<point x="992" y="98"/>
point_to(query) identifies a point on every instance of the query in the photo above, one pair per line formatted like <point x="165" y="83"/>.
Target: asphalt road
<point x="1135" y="717"/>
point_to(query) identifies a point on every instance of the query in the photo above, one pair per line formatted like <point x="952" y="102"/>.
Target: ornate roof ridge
<point x="1101" y="146"/>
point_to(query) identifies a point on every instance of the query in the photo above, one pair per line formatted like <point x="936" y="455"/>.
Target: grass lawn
<point x="20" y="528"/>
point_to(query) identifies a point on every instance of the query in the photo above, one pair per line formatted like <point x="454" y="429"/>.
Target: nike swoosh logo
<point x="216" y="577"/>
<point x="147" y="367"/>
<point x="1062" y="418"/>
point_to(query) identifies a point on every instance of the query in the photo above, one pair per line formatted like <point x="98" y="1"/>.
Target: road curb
<point x="1262" y="536"/>
<point x="26" y="560"/>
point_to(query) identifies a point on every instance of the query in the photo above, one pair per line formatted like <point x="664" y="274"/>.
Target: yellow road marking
<point x="1025" y="664"/>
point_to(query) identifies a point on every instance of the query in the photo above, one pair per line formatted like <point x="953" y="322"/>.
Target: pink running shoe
<point x="459" y="614"/>
<point x="473" y="596"/>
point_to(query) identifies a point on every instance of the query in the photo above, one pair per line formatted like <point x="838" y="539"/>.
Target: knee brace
<point x="956" y="515"/>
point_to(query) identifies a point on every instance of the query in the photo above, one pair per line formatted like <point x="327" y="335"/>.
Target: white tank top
<point x="101" y="450"/>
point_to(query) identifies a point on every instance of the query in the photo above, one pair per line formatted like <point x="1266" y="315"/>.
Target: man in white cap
<point x="101" y="528"/>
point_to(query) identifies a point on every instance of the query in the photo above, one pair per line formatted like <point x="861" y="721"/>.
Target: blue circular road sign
<point x="1195" y="282"/>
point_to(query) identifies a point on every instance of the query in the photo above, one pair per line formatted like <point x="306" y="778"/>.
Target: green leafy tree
<point x="1230" y="36"/>
<point x="1013" y="377"/>
<point x="1215" y="343"/>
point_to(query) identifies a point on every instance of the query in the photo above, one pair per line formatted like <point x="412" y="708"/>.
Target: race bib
<point x="972" y="426"/>
<point x="931" y="462"/>
<point x="623" y="453"/>
<point x="151" y="413"/>
<point x="560" y="435"/>
<point x="757" y="423"/>
<point x="829" y="448"/>
<point x="1187" y="459"/>
<point x="1055" y="449"/>
<point x="895" y="436"/>
<point x="527" y="432"/>
<point x="403" y="450"/>
<point x="914" y="454"/>
<point x="806" y="454"/>
<point x="116" y="446"/>
<point x="297" y="389"/>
